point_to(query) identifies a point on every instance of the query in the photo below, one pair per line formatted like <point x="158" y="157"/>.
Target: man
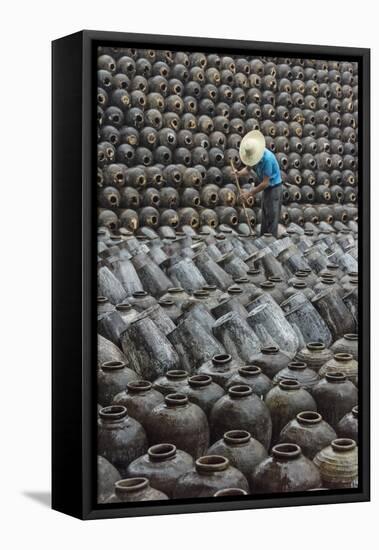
<point x="253" y="152"/>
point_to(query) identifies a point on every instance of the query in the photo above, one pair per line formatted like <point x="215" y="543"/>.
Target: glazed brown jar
<point x="271" y="360"/>
<point x="220" y="368"/>
<point x="309" y="431"/>
<point x="172" y="382"/>
<point x="338" y="464"/>
<point x="139" y="398"/>
<point x="163" y="464"/>
<point x="242" y="451"/>
<point x="284" y="402"/>
<point x="180" y="422"/>
<point x="347" y="344"/>
<point x="335" y="396"/>
<point x="348" y="425"/>
<point x="120" y="438"/>
<point x="202" y="391"/>
<point x="107" y="475"/>
<point x="252" y="376"/>
<point x="135" y="489"/>
<point x="212" y="473"/>
<point x="342" y="362"/>
<point x="315" y="354"/>
<point x="241" y="409"/>
<point x="297" y="370"/>
<point x="286" y="470"/>
<point x="112" y="377"/>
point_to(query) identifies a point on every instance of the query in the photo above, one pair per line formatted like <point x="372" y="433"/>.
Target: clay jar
<point x="163" y="464"/>
<point x="112" y="377"/>
<point x="347" y="344"/>
<point x="241" y="409"/>
<point x="315" y="354"/>
<point x="139" y="398"/>
<point x="251" y="376"/>
<point x="309" y="431"/>
<point x="211" y="474"/>
<point x="242" y="451"/>
<point x="172" y="382"/>
<point x="220" y="368"/>
<point x="107" y="475"/>
<point x="342" y="362"/>
<point x="120" y="438"/>
<point x="108" y="351"/>
<point x="135" y="489"/>
<point x="338" y="464"/>
<point x="335" y="396"/>
<point x="284" y="402"/>
<point x="202" y="391"/>
<point x="296" y="370"/>
<point x="180" y="422"/>
<point x="348" y="425"/>
<point x="271" y="360"/>
<point x="287" y="470"/>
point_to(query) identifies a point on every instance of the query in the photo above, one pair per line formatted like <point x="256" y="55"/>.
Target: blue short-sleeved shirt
<point x="269" y="166"/>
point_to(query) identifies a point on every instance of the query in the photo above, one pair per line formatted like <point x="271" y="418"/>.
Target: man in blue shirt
<point x="254" y="153"/>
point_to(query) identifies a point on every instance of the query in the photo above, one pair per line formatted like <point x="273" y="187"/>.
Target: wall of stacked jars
<point x="227" y="362"/>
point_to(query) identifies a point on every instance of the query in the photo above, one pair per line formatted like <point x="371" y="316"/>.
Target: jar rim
<point x="286" y="451"/>
<point x="211" y="463"/>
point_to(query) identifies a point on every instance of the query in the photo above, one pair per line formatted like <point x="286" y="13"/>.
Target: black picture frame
<point x="74" y="275"/>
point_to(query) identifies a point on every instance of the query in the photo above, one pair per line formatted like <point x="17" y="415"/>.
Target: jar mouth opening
<point x="237" y="437"/>
<point x="131" y="484"/>
<point x="335" y="376"/>
<point x="221" y="358"/>
<point x="176" y="400"/>
<point x="211" y="463"/>
<point x="114" y="412"/>
<point x="270" y="350"/>
<point x="139" y="293"/>
<point x="109" y="366"/>
<point x="309" y="417"/>
<point x="316" y="346"/>
<point x="175" y="290"/>
<point x="123" y="307"/>
<point x="342" y="356"/>
<point x="199" y="380"/>
<point x="176" y="374"/>
<point x="232" y="492"/>
<point x="139" y="385"/>
<point x="250" y="370"/>
<point x="351" y="336"/>
<point x="240" y="390"/>
<point x="343" y="445"/>
<point x="102" y="300"/>
<point x="166" y="302"/>
<point x="286" y="451"/>
<point x="297" y="365"/>
<point x="289" y="385"/>
<point x="162" y="451"/>
<point x="354" y="410"/>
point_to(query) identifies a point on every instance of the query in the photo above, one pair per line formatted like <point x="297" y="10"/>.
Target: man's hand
<point x="247" y="196"/>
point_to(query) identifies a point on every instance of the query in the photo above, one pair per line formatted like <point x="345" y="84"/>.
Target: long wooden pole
<point x="242" y="199"/>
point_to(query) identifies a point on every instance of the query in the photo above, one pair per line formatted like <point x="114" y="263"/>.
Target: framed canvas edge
<point x="86" y="508"/>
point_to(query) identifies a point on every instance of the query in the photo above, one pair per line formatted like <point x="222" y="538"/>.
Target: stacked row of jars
<point x="170" y="124"/>
<point x="226" y="364"/>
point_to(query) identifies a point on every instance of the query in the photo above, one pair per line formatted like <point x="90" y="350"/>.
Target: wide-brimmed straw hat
<point x="252" y="148"/>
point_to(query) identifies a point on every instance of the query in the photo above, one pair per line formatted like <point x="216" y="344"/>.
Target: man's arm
<point x="264" y="183"/>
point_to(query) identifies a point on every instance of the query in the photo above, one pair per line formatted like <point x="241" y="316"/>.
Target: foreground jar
<point x="287" y="470"/>
<point x="212" y="473"/>
<point x="338" y="464"/>
<point x="121" y="439"/>
<point x="309" y="431"/>
<point x="163" y="464"/>
<point x="135" y="489"/>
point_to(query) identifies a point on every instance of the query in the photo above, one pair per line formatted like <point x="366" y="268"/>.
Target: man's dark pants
<point x="271" y="207"/>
